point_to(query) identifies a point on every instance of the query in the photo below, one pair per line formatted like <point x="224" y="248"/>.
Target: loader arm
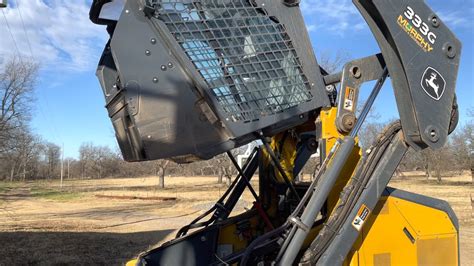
<point x="422" y="56"/>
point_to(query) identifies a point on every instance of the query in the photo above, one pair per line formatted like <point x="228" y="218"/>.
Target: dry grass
<point x="43" y="224"/>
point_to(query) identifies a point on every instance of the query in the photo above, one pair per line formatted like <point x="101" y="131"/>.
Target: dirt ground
<point x="92" y="222"/>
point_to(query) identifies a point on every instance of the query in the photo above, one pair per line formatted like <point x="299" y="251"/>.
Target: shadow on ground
<point x="71" y="248"/>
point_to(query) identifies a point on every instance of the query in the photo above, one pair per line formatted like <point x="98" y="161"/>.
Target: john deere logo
<point x="433" y="83"/>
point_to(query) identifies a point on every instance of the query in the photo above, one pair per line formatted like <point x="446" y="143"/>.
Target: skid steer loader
<point x="187" y="80"/>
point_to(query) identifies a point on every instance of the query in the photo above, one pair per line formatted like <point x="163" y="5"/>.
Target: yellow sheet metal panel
<point x="418" y="217"/>
<point x="401" y="232"/>
<point x="329" y="130"/>
<point x="384" y="233"/>
<point x="383" y="259"/>
<point x="437" y="250"/>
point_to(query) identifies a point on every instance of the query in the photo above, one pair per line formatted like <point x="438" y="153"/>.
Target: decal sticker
<point x="433" y="83"/>
<point x="361" y="217"/>
<point x="418" y="30"/>
<point x="349" y="99"/>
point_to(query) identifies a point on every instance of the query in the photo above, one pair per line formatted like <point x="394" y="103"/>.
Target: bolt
<point x="312" y="145"/>
<point x="449" y="50"/>
<point x="432" y="133"/>
<point x="203" y="238"/>
<point x="155" y="80"/>
<point x="170" y="65"/>
<point x="153" y="41"/>
<point x="127" y="11"/>
<point x="147" y="52"/>
<point x="163" y="68"/>
<point x="347" y="122"/>
<point x="330" y="88"/>
<point x="355" y="71"/>
<point x="434" y="20"/>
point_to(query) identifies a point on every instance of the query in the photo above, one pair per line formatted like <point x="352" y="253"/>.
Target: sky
<point x="69" y="108"/>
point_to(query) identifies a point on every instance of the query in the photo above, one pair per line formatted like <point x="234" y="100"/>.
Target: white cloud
<point x="458" y="18"/>
<point x="60" y="34"/>
<point x="333" y="16"/>
<point x="63" y="38"/>
<point x="341" y="16"/>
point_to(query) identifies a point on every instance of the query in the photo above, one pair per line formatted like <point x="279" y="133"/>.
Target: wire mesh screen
<point x="243" y="54"/>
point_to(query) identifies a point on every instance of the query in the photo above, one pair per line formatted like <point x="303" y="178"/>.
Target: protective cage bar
<point x="246" y="58"/>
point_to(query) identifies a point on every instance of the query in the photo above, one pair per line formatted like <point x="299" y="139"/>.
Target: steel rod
<point x="243" y="176"/>
<point x="319" y="196"/>
<point x="279" y="167"/>
<point x="370" y="102"/>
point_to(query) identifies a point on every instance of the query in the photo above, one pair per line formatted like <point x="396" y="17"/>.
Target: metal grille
<point x="246" y="57"/>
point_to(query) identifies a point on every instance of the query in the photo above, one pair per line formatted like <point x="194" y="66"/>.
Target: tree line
<point x="454" y="158"/>
<point x="26" y="156"/>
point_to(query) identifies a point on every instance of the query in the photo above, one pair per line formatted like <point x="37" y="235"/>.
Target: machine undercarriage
<point x="187" y="80"/>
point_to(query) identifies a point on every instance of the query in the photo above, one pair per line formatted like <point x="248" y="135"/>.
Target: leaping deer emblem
<point x="431" y="82"/>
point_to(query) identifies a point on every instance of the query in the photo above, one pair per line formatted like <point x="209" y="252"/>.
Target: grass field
<point x="101" y="222"/>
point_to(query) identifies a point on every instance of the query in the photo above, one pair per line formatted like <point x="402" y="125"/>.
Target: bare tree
<point x="85" y="158"/>
<point x="53" y="159"/>
<point x="160" y="171"/>
<point x="369" y="132"/>
<point x="470" y="112"/>
<point x="29" y="148"/>
<point x="23" y="154"/>
<point x="462" y="141"/>
<point x="221" y="162"/>
<point x="98" y="161"/>
<point x="471" y="151"/>
<point x="17" y="81"/>
<point x="333" y="63"/>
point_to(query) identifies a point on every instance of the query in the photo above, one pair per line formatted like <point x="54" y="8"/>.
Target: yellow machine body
<point x="403" y="229"/>
<point x="403" y="232"/>
<point x="399" y="231"/>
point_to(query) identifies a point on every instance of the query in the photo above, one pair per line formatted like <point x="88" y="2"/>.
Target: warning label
<point x="349" y="99"/>
<point x="361" y="217"/>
